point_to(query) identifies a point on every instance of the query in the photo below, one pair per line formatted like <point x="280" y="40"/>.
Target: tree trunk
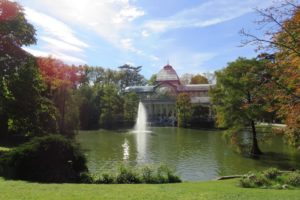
<point x="62" y="124"/>
<point x="3" y="125"/>
<point x="255" y="149"/>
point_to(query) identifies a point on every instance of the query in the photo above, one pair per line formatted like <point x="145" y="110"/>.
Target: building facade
<point x="160" y="99"/>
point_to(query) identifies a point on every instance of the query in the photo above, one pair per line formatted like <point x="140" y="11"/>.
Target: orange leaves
<point x="57" y="74"/>
<point x="8" y="10"/>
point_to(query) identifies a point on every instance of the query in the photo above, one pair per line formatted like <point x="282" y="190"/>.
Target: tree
<point x="280" y="24"/>
<point x="61" y="81"/>
<point x="199" y="79"/>
<point x="130" y="76"/>
<point x="111" y="106"/>
<point x="184" y="109"/>
<point x="152" y="80"/>
<point x="29" y="112"/>
<point x="89" y="112"/>
<point x="23" y="107"/>
<point x="238" y="97"/>
<point x="131" y="102"/>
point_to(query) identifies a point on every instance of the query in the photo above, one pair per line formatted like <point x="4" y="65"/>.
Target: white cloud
<point x="110" y="19"/>
<point x="128" y="13"/>
<point x="53" y="27"/>
<point x="192" y="62"/>
<point x="37" y="53"/>
<point x="206" y="14"/>
<point x="59" y="39"/>
<point x="127" y="44"/>
<point x="145" y="33"/>
<point x="60" y="45"/>
<point x="58" y="55"/>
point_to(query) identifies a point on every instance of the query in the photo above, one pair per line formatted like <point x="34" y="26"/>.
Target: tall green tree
<point x="111" y="107"/>
<point x="238" y="97"/>
<point x="131" y="102"/>
<point x="23" y="106"/>
<point x="130" y="76"/>
<point x="184" y="110"/>
<point x="89" y="110"/>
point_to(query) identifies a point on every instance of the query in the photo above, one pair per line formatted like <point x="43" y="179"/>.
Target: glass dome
<point x="167" y="74"/>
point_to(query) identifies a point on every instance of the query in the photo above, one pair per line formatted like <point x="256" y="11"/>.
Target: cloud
<point x="192" y="62"/>
<point x="58" y="55"/>
<point x="59" y="40"/>
<point x="53" y="27"/>
<point x="206" y="14"/>
<point x="60" y="45"/>
<point x="128" y="13"/>
<point x="110" y="19"/>
<point x="127" y="44"/>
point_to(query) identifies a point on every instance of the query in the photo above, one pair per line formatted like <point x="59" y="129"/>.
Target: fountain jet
<point x="141" y="120"/>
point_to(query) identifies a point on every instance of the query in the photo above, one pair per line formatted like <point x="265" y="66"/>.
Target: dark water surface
<point x="194" y="154"/>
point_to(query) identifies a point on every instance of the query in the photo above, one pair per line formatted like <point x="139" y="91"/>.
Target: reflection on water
<point x="194" y="154"/>
<point x="125" y="149"/>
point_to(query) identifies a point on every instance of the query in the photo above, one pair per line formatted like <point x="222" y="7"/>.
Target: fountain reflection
<point x="125" y="146"/>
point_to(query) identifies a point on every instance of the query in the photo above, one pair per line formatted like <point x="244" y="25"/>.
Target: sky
<point x="194" y="36"/>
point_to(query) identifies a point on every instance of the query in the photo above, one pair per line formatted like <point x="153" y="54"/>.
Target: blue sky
<point x="195" y="36"/>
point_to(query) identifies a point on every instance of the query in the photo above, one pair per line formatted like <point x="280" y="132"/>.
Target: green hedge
<point x="44" y="159"/>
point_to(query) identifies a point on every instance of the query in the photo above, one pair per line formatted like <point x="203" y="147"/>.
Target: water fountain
<point x="140" y="130"/>
<point x="141" y="120"/>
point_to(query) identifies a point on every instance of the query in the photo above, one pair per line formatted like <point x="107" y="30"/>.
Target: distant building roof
<point x="195" y="87"/>
<point x="140" y="89"/>
<point x="167" y="74"/>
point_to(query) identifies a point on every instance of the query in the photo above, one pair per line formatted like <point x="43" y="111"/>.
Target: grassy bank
<point x="224" y="190"/>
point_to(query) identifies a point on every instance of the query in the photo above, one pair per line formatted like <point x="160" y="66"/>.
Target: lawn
<point x="4" y="149"/>
<point x="226" y="189"/>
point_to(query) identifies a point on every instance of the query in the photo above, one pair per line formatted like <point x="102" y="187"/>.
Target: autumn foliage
<point x="8" y="10"/>
<point x="57" y="74"/>
<point x="280" y="23"/>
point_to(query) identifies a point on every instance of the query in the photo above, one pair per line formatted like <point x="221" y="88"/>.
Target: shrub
<point x="293" y="179"/>
<point x="45" y="159"/>
<point x="254" y="180"/>
<point x="246" y="182"/>
<point x="126" y="175"/>
<point x="165" y="175"/>
<point x="271" y="173"/>
<point x="148" y="175"/>
<point x="106" y="179"/>
<point x="129" y="175"/>
<point x="86" y="177"/>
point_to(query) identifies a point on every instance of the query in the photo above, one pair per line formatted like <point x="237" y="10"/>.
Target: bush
<point x="148" y="175"/>
<point x="129" y="175"/>
<point x="45" y="159"/>
<point x="106" y="179"/>
<point x="271" y="173"/>
<point x="126" y="175"/>
<point x="271" y="178"/>
<point x="293" y="179"/>
<point x="86" y="177"/>
<point x="254" y="180"/>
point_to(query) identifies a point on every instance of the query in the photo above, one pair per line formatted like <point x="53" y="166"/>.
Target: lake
<point x="194" y="154"/>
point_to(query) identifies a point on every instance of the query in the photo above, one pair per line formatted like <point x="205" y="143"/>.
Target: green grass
<point x="225" y="190"/>
<point x="4" y="148"/>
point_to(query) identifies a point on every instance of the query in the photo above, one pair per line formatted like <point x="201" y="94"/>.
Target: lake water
<point x="194" y="154"/>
